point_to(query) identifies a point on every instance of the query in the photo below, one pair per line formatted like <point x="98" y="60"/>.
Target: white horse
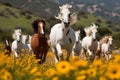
<point x="77" y="46"/>
<point x="29" y="41"/>
<point x="89" y="42"/>
<point x="106" y="46"/>
<point x="62" y="36"/>
<point x="25" y="41"/>
<point x="17" y="44"/>
<point x="29" y="45"/>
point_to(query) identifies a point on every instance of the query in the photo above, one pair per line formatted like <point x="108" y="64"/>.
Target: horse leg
<point x="73" y="53"/>
<point x="82" y="53"/>
<point x="59" y="50"/>
<point x="68" y="54"/>
<point x="15" y="55"/>
<point x="44" y="56"/>
<point x="37" y="55"/>
<point x="106" y="56"/>
<point x="94" y="55"/>
<point x="90" y="54"/>
<point x="55" y="54"/>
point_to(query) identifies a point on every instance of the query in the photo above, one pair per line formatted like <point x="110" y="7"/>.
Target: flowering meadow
<point x="26" y="67"/>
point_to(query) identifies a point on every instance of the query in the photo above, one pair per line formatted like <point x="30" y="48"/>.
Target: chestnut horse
<point x="39" y="43"/>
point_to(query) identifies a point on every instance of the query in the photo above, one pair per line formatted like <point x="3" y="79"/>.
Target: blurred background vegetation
<point x="11" y="18"/>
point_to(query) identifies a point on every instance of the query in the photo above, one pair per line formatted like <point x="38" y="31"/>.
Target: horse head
<point x="110" y="40"/>
<point x="18" y="34"/>
<point x="39" y="26"/>
<point x="65" y="16"/>
<point x="24" y="38"/>
<point x="94" y="30"/>
<point x="77" y="34"/>
<point x="88" y="31"/>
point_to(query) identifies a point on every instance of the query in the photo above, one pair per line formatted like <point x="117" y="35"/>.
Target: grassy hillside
<point x="11" y="18"/>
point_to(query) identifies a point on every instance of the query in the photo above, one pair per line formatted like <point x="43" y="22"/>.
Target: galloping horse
<point x="62" y="36"/>
<point x="7" y="47"/>
<point x="106" y="46"/>
<point x="89" y="42"/>
<point x="77" y="46"/>
<point x="17" y="45"/>
<point x="39" y="43"/>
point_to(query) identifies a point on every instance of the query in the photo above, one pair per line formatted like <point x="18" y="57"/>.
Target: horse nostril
<point x="66" y="24"/>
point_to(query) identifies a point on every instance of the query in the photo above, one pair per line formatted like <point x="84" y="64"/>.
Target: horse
<point x="17" y="45"/>
<point x="24" y="40"/>
<point x="62" y="36"/>
<point x="39" y="43"/>
<point x="29" y="45"/>
<point x="89" y="42"/>
<point x="106" y="46"/>
<point x="7" y="47"/>
<point x="29" y="42"/>
<point x="77" y="46"/>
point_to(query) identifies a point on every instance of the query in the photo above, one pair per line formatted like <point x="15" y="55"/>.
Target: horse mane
<point x="104" y="39"/>
<point x="73" y="16"/>
<point x="88" y="31"/>
<point x="35" y="24"/>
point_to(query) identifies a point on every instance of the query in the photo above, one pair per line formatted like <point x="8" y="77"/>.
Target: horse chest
<point x="39" y="43"/>
<point x="105" y="47"/>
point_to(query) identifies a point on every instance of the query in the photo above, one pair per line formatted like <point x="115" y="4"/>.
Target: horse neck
<point x="40" y="37"/>
<point x="66" y="30"/>
<point x="24" y="41"/>
<point x="18" y="42"/>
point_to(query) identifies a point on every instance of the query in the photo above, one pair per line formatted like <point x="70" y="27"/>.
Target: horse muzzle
<point x="66" y="24"/>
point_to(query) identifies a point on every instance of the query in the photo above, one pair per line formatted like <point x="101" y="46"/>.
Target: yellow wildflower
<point x="82" y="77"/>
<point x="63" y="67"/>
<point x="97" y="64"/>
<point x="35" y="69"/>
<point x="113" y="71"/>
<point x="91" y="72"/>
<point x="81" y="63"/>
<point x="5" y="75"/>
<point x="55" y="78"/>
<point x="102" y="78"/>
<point x="50" y="72"/>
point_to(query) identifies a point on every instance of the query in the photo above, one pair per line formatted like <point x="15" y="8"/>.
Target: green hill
<point x="11" y="18"/>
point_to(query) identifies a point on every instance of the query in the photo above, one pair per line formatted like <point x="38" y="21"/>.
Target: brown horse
<point x="39" y="43"/>
<point x="7" y="47"/>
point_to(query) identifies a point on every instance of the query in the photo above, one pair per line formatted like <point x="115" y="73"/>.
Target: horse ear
<point x="60" y="8"/>
<point x="59" y="17"/>
<point x="73" y="18"/>
<point x="69" y="6"/>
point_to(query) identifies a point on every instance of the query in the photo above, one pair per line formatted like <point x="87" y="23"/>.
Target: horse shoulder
<point x="56" y="33"/>
<point x="14" y="45"/>
<point x="86" y="42"/>
<point x="34" y="39"/>
<point x="55" y="27"/>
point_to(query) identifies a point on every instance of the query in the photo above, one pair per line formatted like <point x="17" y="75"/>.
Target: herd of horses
<point x="61" y="36"/>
